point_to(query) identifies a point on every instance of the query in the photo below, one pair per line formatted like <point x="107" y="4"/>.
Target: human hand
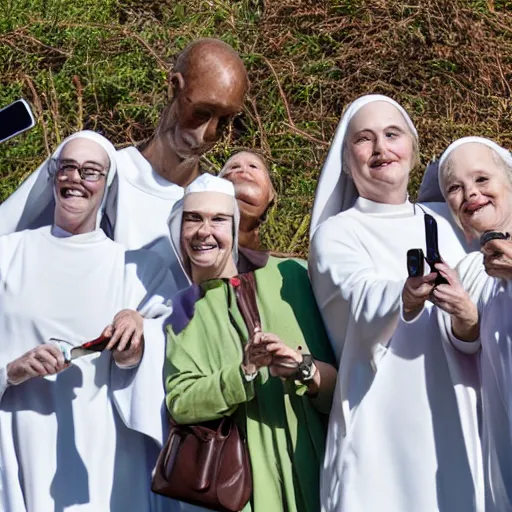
<point x="126" y="335"/>
<point x="416" y="291"/>
<point x="498" y="258"/>
<point x="453" y="299"/>
<point x="285" y="360"/>
<point x="255" y="354"/>
<point x="42" y="360"/>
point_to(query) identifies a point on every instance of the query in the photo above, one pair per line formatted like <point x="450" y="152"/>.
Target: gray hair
<point x="447" y="168"/>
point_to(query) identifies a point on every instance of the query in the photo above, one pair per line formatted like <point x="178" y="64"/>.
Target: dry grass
<point x="102" y="64"/>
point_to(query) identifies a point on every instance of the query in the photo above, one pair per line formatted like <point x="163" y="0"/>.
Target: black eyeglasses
<point x="88" y="171"/>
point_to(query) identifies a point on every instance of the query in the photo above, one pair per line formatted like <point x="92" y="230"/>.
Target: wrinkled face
<point x="77" y="201"/>
<point x="379" y="151"/>
<point x="252" y="184"/>
<point x="207" y="231"/>
<point x="200" y="111"/>
<point x="477" y="189"/>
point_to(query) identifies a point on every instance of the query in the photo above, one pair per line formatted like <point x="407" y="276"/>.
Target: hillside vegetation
<point x="103" y="65"/>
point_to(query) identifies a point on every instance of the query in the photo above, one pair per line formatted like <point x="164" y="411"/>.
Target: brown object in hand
<point x="205" y="464"/>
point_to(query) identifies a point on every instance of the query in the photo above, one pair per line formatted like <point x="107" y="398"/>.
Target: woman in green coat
<point x="278" y="381"/>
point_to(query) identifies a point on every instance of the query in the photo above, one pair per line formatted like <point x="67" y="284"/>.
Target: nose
<point x="470" y="191"/>
<point x="204" y="230"/>
<point x="69" y="175"/>
<point x="210" y="130"/>
<point x="378" y="145"/>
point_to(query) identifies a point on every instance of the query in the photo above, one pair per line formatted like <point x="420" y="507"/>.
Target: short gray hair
<point x="447" y="169"/>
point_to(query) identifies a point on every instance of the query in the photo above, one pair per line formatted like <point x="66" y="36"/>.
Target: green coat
<point x="285" y="428"/>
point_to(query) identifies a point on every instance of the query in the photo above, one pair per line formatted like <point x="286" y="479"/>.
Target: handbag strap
<point x="245" y="292"/>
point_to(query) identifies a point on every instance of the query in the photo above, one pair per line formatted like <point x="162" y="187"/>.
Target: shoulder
<point x="183" y="308"/>
<point x="336" y="229"/>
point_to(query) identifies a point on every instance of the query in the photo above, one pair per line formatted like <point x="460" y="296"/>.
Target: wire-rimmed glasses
<point x="88" y="171"/>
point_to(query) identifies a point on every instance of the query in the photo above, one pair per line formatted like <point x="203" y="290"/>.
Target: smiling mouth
<point x="203" y="247"/>
<point x="69" y="192"/>
<point x="471" y="210"/>
<point x="381" y="164"/>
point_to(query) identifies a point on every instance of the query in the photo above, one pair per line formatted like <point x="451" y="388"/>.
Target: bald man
<point x="209" y="83"/>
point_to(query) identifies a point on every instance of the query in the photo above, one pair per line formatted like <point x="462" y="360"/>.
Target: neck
<point x="200" y="275"/>
<point x="393" y="197"/>
<point x="75" y="228"/>
<point x="249" y="239"/>
<point x="170" y="165"/>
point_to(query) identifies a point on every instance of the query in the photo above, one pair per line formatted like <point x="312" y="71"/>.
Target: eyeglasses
<point x="89" y="171"/>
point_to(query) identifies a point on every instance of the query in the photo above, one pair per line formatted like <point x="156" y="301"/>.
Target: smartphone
<point x="487" y="236"/>
<point x="415" y="262"/>
<point x="433" y="255"/>
<point x="15" y="119"/>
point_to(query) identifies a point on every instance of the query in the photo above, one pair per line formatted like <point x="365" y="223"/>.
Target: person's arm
<point x="346" y="285"/>
<point x="197" y="392"/>
<point x="149" y="286"/>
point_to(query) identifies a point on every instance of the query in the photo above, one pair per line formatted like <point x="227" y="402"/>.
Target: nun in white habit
<point x="475" y="177"/>
<point x="65" y="441"/>
<point x="403" y="422"/>
<point x="140" y="202"/>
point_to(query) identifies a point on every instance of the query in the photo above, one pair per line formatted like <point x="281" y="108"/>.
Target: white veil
<point x="335" y="191"/>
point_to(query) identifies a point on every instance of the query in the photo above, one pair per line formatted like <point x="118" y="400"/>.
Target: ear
<point x="176" y="83"/>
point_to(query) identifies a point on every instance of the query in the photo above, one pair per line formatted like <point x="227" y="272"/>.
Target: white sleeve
<point x="149" y="284"/>
<point x="479" y="285"/>
<point x="348" y="288"/>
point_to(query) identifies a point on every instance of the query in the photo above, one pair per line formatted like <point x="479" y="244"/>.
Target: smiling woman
<point x="79" y="173"/>
<point x="475" y="178"/>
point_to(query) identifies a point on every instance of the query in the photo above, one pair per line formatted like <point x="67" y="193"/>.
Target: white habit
<point x="63" y="444"/>
<point x="494" y="300"/>
<point x="395" y="440"/>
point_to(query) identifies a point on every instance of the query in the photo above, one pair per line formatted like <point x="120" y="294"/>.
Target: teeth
<point x="203" y="247"/>
<point x="73" y="193"/>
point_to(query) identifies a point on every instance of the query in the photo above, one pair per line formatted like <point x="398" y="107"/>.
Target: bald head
<point x="209" y="83"/>
<point x="212" y="55"/>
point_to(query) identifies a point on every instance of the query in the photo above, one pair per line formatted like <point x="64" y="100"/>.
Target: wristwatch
<point x="306" y="369"/>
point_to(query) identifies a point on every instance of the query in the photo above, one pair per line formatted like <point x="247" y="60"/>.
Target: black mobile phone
<point x="15" y="119"/>
<point x="433" y="255"/>
<point x="487" y="236"/>
<point x="415" y="262"/>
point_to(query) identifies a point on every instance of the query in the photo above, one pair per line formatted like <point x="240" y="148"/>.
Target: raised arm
<point x="347" y="288"/>
<point x="199" y="388"/>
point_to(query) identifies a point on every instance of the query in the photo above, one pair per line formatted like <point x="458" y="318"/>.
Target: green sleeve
<point x="195" y="392"/>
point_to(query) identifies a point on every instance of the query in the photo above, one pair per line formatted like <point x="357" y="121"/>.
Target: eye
<point x="89" y="171"/>
<point x="482" y="179"/>
<point x="191" y="217"/>
<point x="220" y="219"/>
<point x="68" y="167"/>
<point x="453" y="188"/>
<point x="362" y="138"/>
<point x="392" y="135"/>
<point x="202" y="115"/>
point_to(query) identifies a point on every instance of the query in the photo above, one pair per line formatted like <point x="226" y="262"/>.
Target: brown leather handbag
<point x="208" y="464"/>
<point x="205" y="464"/>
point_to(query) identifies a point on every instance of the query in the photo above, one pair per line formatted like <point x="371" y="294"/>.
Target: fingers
<point x="497" y="247"/>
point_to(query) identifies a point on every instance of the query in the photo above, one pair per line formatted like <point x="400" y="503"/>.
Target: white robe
<point x="63" y="444"/>
<point x="144" y="204"/>
<point x="494" y="300"/>
<point x="395" y="441"/>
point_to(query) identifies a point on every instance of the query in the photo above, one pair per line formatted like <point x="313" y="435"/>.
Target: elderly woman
<point x="395" y="439"/>
<point x="64" y="444"/>
<point x="475" y="178"/>
<point x="216" y="367"/>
